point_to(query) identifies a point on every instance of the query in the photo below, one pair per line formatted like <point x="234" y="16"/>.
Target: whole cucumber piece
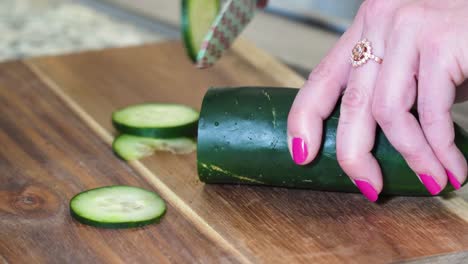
<point x="242" y="139"/>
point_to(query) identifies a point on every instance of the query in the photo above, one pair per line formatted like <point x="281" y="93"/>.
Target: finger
<point x="356" y="129"/>
<point x="436" y="95"/>
<point x="393" y="99"/>
<point x="318" y="97"/>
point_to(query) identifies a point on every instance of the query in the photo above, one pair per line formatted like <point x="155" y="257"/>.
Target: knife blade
<point x="235" y="15"/>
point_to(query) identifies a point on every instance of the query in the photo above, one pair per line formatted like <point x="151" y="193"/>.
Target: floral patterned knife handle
<point x="233" y="18"/>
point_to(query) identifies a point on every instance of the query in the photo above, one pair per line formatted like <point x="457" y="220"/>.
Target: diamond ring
<point x="362" y="52"/>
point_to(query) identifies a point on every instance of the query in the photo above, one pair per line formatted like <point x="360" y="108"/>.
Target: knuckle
<point x="354" y="98"/>
<point x="296" y="116"/>
<point x="444" y="146"/>
<point x="412" y="153"/>
<point x="412" y="157"/>
<point x="383" y="113"/>
<point x="346" y="160"/>
<point x="377" y="10"/>
<point x="322" y="73"/>
<point x="436" y="49"/>
<point x="408" y="15"/>
<point x="322" y="70"/>
<point x="435" y="46"/>
<point x="427" y="118"/>
<point x="352" y="163"/>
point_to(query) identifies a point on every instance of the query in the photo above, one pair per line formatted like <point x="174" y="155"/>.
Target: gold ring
<point x="362" y="52"/>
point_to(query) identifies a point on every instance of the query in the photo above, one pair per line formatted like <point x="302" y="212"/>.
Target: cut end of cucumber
<point x="117" y="207"/>
<point x="197" y="18"/>
<point x="130" y="147"/>
<point x="157" y="120"/>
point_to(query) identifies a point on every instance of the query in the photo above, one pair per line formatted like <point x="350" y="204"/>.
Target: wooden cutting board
<point x="55" y="136"/>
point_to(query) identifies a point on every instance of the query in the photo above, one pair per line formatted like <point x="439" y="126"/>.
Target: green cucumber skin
<point x="242" y="139"/>
<point x="114" y="225"/>
<point x="188" y="130"/>
<point x="186" y="33"/>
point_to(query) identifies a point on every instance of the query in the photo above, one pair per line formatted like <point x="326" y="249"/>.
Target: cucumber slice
<point x="130" y="147"/>
<point x="117" y="207"/>
<point x="157" y="120"/>
<point x="197" y="18"/>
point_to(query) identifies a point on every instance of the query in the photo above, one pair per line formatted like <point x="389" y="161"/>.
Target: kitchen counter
<point x="49" y="27"/>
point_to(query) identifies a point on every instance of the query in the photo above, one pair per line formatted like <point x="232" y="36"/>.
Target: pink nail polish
<point x="299" y="149"/>
<point x="431" y="185"/>
<point x="367" y="190"/>
<point x="455" y="183"/>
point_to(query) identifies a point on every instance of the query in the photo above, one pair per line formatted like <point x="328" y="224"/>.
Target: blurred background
<point x="298" y="32"/>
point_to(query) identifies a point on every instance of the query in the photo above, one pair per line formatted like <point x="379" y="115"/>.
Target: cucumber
<point x="156" y="120"/>
<point x="197" y="18"/>
<point x="117" y="207"/>
<point x="242" y="139"/>
<point x="130" y="147"/>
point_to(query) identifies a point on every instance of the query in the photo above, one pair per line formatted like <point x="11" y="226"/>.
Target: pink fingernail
<point x="367" y="190"/>
<point x="299" y="149"/>
<point x="431" y="185"/>
<point x="455" y="183"/>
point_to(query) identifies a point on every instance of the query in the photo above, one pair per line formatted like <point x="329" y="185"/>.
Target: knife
<point x="235" y="15"/>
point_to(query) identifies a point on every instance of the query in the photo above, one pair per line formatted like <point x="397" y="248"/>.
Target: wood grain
<point x="185" y="209"/>
<point x="48" y="154"/>
<point x="266" y="225"/>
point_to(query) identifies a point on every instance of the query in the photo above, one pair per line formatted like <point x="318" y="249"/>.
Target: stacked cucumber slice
<point x="130" y="147"/>
<point x="153" y="127"/>
<point x="156" y="120"/>
<point x="144" y="128"/>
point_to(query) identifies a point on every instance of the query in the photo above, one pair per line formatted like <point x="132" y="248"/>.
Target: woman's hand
<point x="424" y="46"/>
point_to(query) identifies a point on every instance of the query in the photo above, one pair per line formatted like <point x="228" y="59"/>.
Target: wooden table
<point x="55" y="136"/>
